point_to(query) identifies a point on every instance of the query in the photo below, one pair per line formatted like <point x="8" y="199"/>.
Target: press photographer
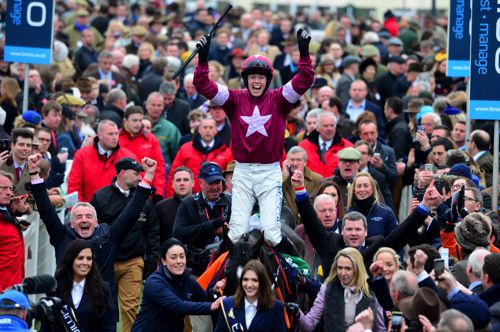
<point x="16" y="312"/>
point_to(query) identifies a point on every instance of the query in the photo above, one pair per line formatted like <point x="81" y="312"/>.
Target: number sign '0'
<point x="29" y="31"/>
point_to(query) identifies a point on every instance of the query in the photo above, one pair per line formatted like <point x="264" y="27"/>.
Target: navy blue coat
<point x="167" y="299"/>
<point x="271" y="320"/>
<point x="381" y="220"/>
<point x="87" y="320"/>
<point x="106" y="238"/>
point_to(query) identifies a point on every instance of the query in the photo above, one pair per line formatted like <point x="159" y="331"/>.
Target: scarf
<point x="364" y="205"/>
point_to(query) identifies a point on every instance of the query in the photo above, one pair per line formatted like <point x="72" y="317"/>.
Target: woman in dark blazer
<point x="253" y="308"/>
<point x="86" y="297"/>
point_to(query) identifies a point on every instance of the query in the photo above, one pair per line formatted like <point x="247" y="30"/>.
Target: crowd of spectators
<point x="152" y="161"/>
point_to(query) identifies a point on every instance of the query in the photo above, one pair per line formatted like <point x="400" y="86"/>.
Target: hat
<point x="349" y="154"/>
<point x="128" y="163"/>
<point x="237" y="52"/>
<point x="230" y="167"/>
<point x="319" y="82"/>
<point x="369" y="51"/>
<point x="395" y="41"/>
<point x="415" y="67"/>
<point x="138" y="30"/>
<point x="210" y="172"/>
<point x="424" y="110"/>
<point x="474" y="231"/>
<point x="349" y="60"/>
<point x="20" y="300"/>
<point x="461" y="170"/>
<point x="424" y="302"/>
<point x="384" y="34"/>
<point x="70" y="100"/>
<point x="167" y="88"/>
<point x="82" y="12"/>
<point x="396" y="59"/>
<point x="326" y="59"/>
<point x="367" y="63"/>
<point x="32" y="117"/>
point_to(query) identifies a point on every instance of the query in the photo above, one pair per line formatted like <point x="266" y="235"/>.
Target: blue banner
<point x="485" y="60"/>
<point x="459" y="38"/>
<point x="29" y="31"/>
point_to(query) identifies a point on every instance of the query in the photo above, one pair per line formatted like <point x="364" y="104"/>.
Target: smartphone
<point x="440" y="184"/>
<point x="4" y="145"/>
<point x="376" y="155"/>
<point x="438" y="267"/>
<point x="445" y="255"/>
<point x="397" y="321"/>
<point x="420" y="128"/>
<point x="290" y="172"/>
<point x="64" y="149"/>
<point x="429" y="167"/>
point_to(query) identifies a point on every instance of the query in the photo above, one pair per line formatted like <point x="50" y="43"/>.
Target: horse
<point x="253" y="246"/>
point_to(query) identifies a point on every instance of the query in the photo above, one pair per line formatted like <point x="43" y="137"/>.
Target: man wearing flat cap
<point x="203" y="230"/>
<point x="74" y="31"/>
<point x="143" y="240"/>
<point x="14" y="307"/>
<point x="348" y="167"/>
<point x="351" y="65"/>
<point x="384" y="84"/>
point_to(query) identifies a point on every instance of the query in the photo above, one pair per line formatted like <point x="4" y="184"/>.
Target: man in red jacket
<point x="205" y="146"/>
<point x="11" y="237"/>
<point x="94" y="166"/>
<point x="323" y="144"/>
<point x="142" y="143"/>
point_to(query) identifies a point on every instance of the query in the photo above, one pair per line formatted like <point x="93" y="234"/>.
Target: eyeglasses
<point x="469" y="199"/>
<point x="457" y="186"/>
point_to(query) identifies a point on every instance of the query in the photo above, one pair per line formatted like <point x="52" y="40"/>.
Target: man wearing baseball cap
<point x="143" y="240"/>
<point x="201" y="217"/>
<point x="14" y="307"/>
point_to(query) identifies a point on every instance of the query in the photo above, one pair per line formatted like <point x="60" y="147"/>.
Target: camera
<point x="45" y="309"/>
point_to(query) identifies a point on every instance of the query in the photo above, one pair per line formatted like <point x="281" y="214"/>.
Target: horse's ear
<point x="259" y="242"/>
<point x="227" y="240"/>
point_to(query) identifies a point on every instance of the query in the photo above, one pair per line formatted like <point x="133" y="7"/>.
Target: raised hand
<point x="34" y="162"/>
<point x="303" y="40"/>
<point x="149" y="166"/>
<point x="204" y="47"/>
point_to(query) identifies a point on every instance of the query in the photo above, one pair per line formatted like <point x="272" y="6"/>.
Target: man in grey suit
<point x="479" y="146"/>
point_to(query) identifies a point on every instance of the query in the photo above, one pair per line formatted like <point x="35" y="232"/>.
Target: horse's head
<point x="240" y="253"/>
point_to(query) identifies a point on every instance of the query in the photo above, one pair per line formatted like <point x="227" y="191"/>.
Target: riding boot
<point x="287" y="247"/>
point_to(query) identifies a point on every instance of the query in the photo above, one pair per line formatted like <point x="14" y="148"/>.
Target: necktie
<point x="19" y="172"/>
<point x="323" y="151"/>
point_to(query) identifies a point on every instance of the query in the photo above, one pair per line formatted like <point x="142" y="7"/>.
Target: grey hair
<point x="188" y="77"/>
<point x="313" y="113"/>
<point x="476" y="261"/>
<point x="440" y="103"/>
<point x="354" y="215"/>
<point x="322" y="198"/>
<point x="115" y="95"/>
<point x="83" y="204"/>
<point x="326" y="114"/>
<point x="450" y="319"/>
<point x="130" y="60"/>
<point x="298" y="149"/>
<point x="435" y="117"/>
<point x="478" y="196"/>
<point x="105" y="55"/>
<point x="401" y="282"/>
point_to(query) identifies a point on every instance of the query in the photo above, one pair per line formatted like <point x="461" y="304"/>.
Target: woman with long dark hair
<point x="86" y="297"/>
<point x="253" y="307"/>
<point x="9" y="89"/>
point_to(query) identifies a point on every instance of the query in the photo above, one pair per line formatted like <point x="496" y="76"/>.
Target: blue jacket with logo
<point x="13" y="323"/>
<point x="167" y="299"/>
<point x="381" y="220"/>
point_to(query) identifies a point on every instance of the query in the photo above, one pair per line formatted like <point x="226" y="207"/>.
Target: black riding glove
<point x="303" y="39"/>
<point x="204" y="47"/>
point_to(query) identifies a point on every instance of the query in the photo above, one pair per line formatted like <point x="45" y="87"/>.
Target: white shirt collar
<point x="102" y="151"/>
<point x="479" y="155"/>
<point x="210" y="145"/>
<point x="328" y="143"/>
<point x="77" y="292"/>
<point x="248" y="303"/>
<point x="123" y="191"/>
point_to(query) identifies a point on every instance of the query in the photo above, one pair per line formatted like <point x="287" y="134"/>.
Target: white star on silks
<point x="256" y="122"/>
